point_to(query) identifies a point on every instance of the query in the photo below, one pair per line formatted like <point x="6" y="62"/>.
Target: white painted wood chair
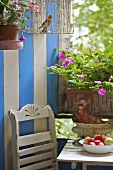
<point x="39" y="149"/>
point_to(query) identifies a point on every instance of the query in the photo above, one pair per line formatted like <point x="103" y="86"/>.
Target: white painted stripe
<point x="11" y="98"/>
<point x="40" y="84"/>
<point x="40" y="87"/>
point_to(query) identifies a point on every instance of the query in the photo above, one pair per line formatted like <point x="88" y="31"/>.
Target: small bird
<point x="46" y="23"/>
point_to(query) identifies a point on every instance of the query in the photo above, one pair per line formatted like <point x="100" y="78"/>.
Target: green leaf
<point x="2" y="5"/>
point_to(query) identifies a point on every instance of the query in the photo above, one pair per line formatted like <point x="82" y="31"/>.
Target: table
<point x="76" y="153"/>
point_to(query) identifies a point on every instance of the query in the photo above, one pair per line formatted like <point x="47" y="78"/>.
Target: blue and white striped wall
<point x="24" y="80"/>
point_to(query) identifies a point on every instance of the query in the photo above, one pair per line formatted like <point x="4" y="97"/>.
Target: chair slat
<point x="40" y="165"/>
<point x="53" y="168"/>
<point x="35" y="149"/>
<point x="42" y="157"/>
<point x="34" y="138"/>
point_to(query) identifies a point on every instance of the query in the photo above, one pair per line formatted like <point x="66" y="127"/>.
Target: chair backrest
<point x="37" y="150"/>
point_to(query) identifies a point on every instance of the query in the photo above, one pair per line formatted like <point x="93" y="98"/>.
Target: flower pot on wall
<point x="9" y="32"/>
<point x="99" y="105"/>
<point x="9" y="37"/>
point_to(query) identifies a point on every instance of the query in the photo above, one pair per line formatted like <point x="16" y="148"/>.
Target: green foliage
<point x="64" y="129"/>
<point x="88" y="68"/>
<point x="2" y="5"/>
<point x="13" y="13"/>
<point x="96" y="17"/>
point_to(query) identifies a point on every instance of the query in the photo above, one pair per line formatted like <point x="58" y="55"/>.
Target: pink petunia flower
<point x="97" y="62"/>
<point x="16" y="1"/>
<point x="101" y="92"/>
<point x="22" y="38"/>
<point x="31" y="7"/>
<point x="61" y="56"/>
<point x="68" y="49"/>
<point x="53" y="67"/>
<point x="70" y="59"/>
<point x="98" y="82"/>
<point x="19" y="14"/>
<point x="78" y="52"/>
<point x="92" y="47"/>
<point x="81" y="76"/>
<point x="37" y="10"/>
<point x="65" y="64"/>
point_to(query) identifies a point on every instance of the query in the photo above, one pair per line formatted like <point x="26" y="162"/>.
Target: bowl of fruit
<point x="99" y="144"/>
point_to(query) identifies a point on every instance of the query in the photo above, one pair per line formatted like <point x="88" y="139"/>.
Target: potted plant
<point x="12" y="17"/>
<point x="89" y="73"/>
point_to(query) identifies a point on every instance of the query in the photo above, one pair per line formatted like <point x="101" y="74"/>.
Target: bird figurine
<point x="83" y="117"/>
<point x="46" y="23"/>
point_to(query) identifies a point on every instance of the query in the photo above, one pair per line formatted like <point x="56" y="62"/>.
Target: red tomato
<point x="98" y="137"/>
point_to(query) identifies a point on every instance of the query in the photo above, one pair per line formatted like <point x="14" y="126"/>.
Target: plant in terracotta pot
<point x="14" y="14"/>
<point x="90" y="76"/>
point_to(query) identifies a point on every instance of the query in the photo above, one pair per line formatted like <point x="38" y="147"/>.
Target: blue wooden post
<point x="52" y="80"/>
<point x="26" y="79"/>
<point x="1" y="110"/>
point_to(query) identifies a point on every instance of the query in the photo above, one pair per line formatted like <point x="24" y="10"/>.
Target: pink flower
<point x="78" y="52"/>
<point x="70" y="59"/>
<point x="19" y="14"/>
<point x="37" y="10"/>
<point x="22" y="38"/>
<point x="16" y="1"/>
<point x="98" y="82"/>
<point x="81" y="76"/>
<point x="18" y="8"/>
<point x="67" y="49"/>
<point x="65" y="64"/>
<point x="101" y="92"/>
<point x="92" y="47"/>
<point x="97" y="62"/>
<point x="62" y="56"/>
<point x="53" y="67"/>
<point x="31" y="7"/>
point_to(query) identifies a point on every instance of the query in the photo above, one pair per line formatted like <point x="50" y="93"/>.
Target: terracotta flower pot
<point x="99" y="105"/>
<point x="9" y="32"/>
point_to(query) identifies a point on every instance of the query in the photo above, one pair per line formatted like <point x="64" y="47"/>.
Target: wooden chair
<point x="39" y="149"/>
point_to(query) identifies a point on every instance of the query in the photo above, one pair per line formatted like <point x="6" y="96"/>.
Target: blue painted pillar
<point x="26" y="79"/>
<point x="52" y="80"/>
<point x="1" y="111"/>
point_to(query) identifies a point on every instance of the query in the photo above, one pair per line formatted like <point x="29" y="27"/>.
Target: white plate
<point x="81" y="141"/>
